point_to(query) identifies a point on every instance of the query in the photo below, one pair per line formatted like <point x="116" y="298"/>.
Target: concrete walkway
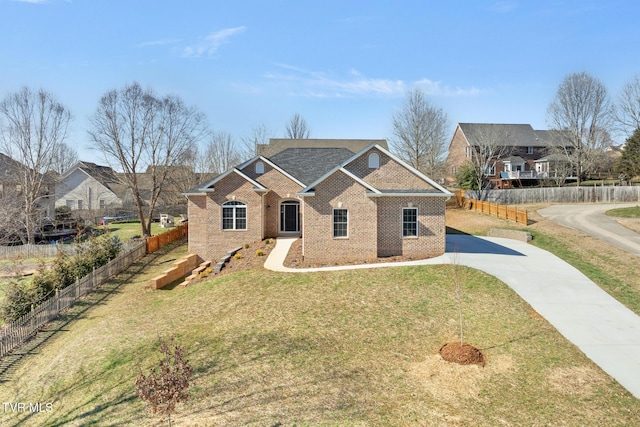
<point x="602" y="328"/>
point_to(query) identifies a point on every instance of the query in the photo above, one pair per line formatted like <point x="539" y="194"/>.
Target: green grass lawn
<point x="632" y="212"/>
<point x="348" y="348"/>
<point x="126" y="231"/>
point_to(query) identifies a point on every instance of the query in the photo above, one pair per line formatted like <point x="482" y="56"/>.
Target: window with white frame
<point x="529" y="150"/>
<point x="70" y="204"/>
<point x="340" y="223"/>
<point x="490" y="169"/>
<point x="103" y="204"/>
<point x="409" y="222"/>
<point x="374" y="161"/>
<point x="80" y="204"/>
<point x="259" y="168"/>
<point x="234" y="216"/>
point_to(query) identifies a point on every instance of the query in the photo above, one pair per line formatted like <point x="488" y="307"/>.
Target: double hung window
<point x="234" y="216"/>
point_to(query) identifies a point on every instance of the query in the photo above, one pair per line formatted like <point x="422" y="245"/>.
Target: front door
<point x="290" y="216"/>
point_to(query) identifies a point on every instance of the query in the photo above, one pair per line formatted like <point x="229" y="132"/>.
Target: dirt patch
<point x="462" y="354"/>
<point x="576" y="380"/>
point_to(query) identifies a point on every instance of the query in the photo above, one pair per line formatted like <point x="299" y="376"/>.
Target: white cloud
<point x="301" y="82"/>
<point x="435" y="88"/>
<point x="504" y="6"/>
<point x="211" y="43"/>
<point x="161" y="42"/>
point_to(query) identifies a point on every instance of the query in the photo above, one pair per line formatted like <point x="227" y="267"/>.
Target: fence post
<point x="32" y="317"/>
<point x="57" y="300"/>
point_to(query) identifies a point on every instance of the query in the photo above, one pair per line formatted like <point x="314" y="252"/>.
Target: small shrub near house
<point x="259" y="252"/>
<point x="238" y="256"/>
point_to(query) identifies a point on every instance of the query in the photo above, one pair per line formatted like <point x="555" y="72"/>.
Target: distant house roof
<point x="276" y="145"/>
<point x="9" y="168"/>
<point x="513" y="135"/>
<point x="105" y="175"/>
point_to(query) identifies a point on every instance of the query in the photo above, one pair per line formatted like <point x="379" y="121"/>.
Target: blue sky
<point x="345" y="66"/>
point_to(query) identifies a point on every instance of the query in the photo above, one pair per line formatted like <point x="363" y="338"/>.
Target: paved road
<point x="591" y="219"/>
<point x="601" y="327"/>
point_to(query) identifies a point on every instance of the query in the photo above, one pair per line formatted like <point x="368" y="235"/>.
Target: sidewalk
<point x="602" y="328"/>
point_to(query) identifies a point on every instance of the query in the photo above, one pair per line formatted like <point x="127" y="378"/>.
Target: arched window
<point x="234" y="216"/>
<point x="259" y="168"/>
<point x="374" y="161"/>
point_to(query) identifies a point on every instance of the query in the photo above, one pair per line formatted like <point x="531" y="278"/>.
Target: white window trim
<point x="529" y="150"/>
<point x="373" y="160"/>
<point x="234" y="206"/>
<point x="333" y="224"/>
<point x="417" y="222"/>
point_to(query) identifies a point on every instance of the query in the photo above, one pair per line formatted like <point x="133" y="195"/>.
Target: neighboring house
<point x="528" y="155"/>
<point x="350" y="200"/>
<point x="87" y="186"/>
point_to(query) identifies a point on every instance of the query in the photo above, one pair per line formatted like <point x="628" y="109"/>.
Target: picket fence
<point x="47" y="251"/>
<point x="17" y="332"/>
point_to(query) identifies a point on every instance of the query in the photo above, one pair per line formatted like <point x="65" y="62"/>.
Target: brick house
<point x="348" y="199"/>
<point x="524" y="154"/>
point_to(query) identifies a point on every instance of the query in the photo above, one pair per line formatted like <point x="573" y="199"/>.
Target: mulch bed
<point x="248" y="258"/>
<point x="294" y="259"/>
<point x="462" y="353"/>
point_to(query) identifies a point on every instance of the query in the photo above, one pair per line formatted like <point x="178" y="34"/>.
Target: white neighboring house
<point x="87" y="186"/>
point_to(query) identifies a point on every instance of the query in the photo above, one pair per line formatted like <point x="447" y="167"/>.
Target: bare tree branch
<point x="580" y="114"/>
<point x="32" y="126"/>
<point x="138" y="131"/>
<point x="627" y="112"/>
<point x="420" y="134"/>
<point x="297" y="128"/>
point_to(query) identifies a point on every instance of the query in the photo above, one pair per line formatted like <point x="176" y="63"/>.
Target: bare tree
<point x="580" y="114"/>
<point x="32" y="126"/>
<point x="138" y="131"/>
<point x="420" y="133"/>
<point x="297" y="128"/>
<point x="221" y="153"/>
<point x="627" y="112"/>
<point x="62" y="158"/>
<point x="256" y="142"/>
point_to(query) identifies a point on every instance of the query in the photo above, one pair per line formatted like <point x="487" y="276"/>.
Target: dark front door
<point x="290" y="217"/>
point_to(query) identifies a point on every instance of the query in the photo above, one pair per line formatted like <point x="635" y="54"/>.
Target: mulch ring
<point x="462" y="353"/>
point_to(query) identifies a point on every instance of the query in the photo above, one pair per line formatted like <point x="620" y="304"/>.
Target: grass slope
<point x="341" y="348"/>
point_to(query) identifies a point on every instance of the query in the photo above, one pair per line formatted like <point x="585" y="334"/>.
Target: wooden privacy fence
<point x="496" y="209"/>
<point x="156" y="242"/>
<point x="17" y="332"/>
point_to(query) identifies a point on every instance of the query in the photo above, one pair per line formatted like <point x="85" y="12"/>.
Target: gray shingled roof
<point x="513" y="135"/>
<point x="310" y="164"/>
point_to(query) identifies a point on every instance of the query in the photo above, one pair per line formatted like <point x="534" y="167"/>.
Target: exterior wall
<point x="78" y="186"/>
<point x="457" y="156"/>
<point x="281" y="188"/>
<point x="318" y="242"/>
<point x="431" y="227"/>
<point x="207" y="239"/>
<point x="198" y="223"/>
<point x="389" y="176"/>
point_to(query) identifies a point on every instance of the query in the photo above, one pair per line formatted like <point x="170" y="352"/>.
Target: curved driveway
<point x="602" y="328"/>
<point x="591" y="219"/>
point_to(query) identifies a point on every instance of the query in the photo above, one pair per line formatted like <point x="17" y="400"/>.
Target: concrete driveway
<point x="591" y="219"/>
<point x="601" y="327"/>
